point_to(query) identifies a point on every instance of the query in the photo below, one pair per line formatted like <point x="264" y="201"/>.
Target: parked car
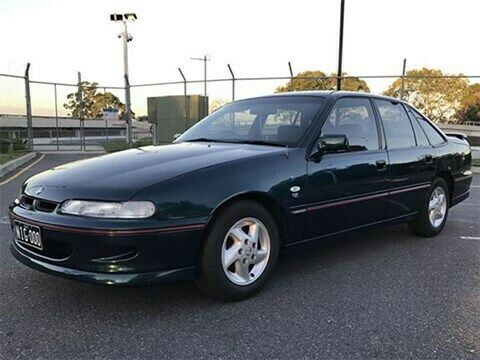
<point x="255" y="179"/>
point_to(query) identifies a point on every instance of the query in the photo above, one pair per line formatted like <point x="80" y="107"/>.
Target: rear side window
<point x="432" y="133"/>
<point x="354" y="118"/>
<point x="419" y="133"/>
<point x="398" y="129"/>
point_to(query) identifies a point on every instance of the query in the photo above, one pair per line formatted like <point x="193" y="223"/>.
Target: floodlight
<point x="116" y="17"/>
<point x="130" y="16"/>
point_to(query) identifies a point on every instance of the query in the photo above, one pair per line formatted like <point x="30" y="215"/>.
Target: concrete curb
<point x="15" y="163"/>
<point x="70" y="152"/>
<point x="476" y="169"/>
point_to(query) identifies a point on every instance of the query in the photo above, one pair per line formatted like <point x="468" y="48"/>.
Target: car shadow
<point x="308" y="263"/>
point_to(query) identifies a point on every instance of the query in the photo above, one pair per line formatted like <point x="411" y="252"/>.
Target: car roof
<point x="326" y="94"/>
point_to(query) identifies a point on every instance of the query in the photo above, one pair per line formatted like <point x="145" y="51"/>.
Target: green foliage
<point x="93" y="102"/>
<point x="318" y="80"/>
<point x="469" y="110"/>
<point x="437" y="96"/>
<point x="8" y="145"/>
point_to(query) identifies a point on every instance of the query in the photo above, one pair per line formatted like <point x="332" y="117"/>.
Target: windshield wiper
<point x="201" y="139"/>
<point x="233" y="141"/>
<point x="262" y="142"/>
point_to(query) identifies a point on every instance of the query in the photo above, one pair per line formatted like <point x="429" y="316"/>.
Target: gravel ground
<point x="382" y="294"/>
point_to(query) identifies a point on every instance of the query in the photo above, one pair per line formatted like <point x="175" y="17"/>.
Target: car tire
<point x="244" y="234"/>
<point x="433" y="216"/>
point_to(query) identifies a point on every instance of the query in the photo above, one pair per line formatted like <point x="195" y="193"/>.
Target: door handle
<point x="381" y="165"/>
<point x="429" y="159"/>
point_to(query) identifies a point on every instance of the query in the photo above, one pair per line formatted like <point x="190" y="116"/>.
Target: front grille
<point x="31" y="203"/>
<point x="46" y="206"/>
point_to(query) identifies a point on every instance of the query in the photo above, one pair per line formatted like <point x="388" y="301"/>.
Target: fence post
<point x="29" y="108"/>
<point x="128" y="111"/>
<point x="402" y="84"/>
<point x="56" y="113"/>
<point x="106" y="130"/>
<point x="187" y="108"/>
<point x="233" y="82"/>
<point x="80" y="114"/>
<point x="153" y="130"/>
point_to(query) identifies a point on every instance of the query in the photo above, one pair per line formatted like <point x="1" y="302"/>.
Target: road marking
<point x="470" y="237"/>
<point x="23" y="170"/>
<point x="475" y="186"/>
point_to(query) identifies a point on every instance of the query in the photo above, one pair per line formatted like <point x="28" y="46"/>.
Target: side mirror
<point x="332" y="143"/>
<point x="176" y="136"/>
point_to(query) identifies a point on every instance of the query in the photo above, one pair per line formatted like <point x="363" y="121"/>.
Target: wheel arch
<point x="448" y="178"/>
<point x="272" y="205"/>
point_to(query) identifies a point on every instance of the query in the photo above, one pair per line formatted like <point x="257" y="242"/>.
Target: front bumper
<point x="102" y="254"/>
<point x="143" y="278"/>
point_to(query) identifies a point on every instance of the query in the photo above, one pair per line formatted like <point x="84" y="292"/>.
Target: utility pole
<point x="340" y="46"/>
<point x="128" y="113"/>
<point x="126" y="37"/>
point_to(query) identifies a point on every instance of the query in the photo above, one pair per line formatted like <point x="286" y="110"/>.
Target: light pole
<point x="126" y="37"/>
<point x="340" y="46"/>
<point x="205" y="58"/>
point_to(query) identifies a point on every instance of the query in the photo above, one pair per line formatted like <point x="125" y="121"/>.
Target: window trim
<point x="383" y="125"/>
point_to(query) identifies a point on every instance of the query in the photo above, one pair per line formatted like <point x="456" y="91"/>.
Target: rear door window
<point x="398" y="129"/>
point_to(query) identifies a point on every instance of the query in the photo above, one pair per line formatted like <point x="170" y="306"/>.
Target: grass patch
<point x="115" y="146"/>
<point x="6" y="157"/>
<point x="475" y="162"/>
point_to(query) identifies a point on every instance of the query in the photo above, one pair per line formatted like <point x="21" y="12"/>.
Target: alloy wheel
<point x="437" y="207"/>
<point x="246" y="251"/>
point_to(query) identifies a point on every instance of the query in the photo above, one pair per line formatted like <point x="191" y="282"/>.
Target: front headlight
<point x="119" y="210"/>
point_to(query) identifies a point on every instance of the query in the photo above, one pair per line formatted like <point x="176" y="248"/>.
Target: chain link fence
<point x="46" y="124"/>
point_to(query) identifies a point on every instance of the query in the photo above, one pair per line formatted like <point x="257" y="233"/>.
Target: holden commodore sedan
<point x="255" y="179"/>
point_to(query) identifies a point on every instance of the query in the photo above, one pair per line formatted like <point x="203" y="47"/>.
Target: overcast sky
<point x="257" y="38"/>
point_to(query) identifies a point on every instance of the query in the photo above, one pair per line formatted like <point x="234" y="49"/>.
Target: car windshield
<point x="279" y="121"/>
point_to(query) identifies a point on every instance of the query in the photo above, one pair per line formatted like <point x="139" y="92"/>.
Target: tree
<point x="93" y="102"/>
<point x="469" y="110"/>
<point x="432" y="92"/>
<point x="216" y="104"/>
<point x="318" y="80"/>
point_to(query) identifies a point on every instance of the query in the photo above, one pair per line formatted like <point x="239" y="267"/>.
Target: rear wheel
<point x="433" y="215"/>
<point x="240" y="251"/>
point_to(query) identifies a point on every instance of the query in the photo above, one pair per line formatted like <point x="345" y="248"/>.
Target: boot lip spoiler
<point x="458" y="135"/>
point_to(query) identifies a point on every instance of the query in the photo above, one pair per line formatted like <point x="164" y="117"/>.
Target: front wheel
<point x="240" y="251"/>
<point x="433" y="215"/>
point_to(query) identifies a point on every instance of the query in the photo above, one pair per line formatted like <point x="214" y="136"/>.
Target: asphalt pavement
<point x="383" y="294"/>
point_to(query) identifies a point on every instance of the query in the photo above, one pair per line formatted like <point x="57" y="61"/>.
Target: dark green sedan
<point x="256" y="179"/>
